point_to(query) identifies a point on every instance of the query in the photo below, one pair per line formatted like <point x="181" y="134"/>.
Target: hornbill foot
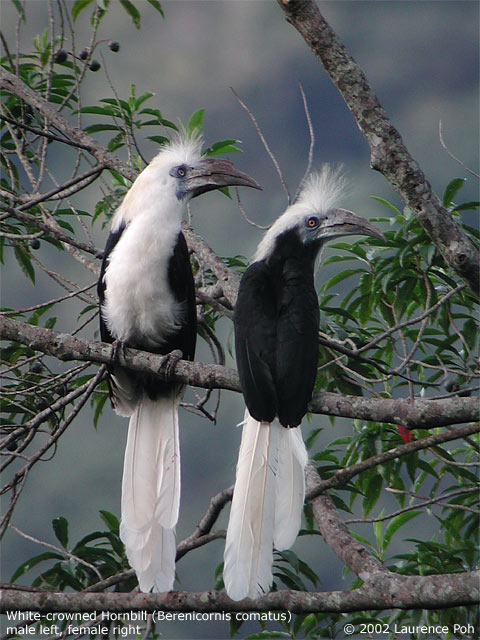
<point x="170" y="360"/>
<point x="118" y="347"/>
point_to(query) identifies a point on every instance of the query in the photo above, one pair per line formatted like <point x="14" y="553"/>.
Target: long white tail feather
<point x="249" y="550"/>
<point x="152" y="555"/>
<point x="290" y="487"/>
<point x="151" y="492"/>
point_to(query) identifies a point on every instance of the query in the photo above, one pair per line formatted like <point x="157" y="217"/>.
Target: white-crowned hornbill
<point x="276" y="338"/>
<point x="147" y="301"/>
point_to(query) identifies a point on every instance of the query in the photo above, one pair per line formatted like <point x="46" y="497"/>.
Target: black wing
<point x="182" y="284"/>
<point x="123" y="385"/>
<point x="112" y="240"/>
<point x="254" y="322"/>
<point x="297" y="342"/>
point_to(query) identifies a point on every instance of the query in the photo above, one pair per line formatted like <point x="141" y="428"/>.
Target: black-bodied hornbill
<point x="147" y="301"/>
<point x="276" y="323"/>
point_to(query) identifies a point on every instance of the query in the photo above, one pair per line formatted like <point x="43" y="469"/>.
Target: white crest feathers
<point x="321" y="191"/>
<point x="152" y="183"/>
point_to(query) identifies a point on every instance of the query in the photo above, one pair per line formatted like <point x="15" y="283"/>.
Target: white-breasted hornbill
<point x="147" y="301"/>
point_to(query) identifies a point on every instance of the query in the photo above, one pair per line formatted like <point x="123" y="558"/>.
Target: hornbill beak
<point x="215" y="173"/>
<point x="341" y="222"/>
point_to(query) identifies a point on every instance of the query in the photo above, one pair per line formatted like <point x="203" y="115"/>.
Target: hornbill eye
<point x="181" y="172"/>
<point x="312" y="222"/>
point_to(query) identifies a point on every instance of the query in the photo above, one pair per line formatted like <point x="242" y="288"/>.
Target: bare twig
<point x="265" y="144"/>
<point x="425" y="503"/>
<point x="73" y="294"/>
<point x="312" y="143"/>
<point x="340" y="478"/>
<point x="245" y="217"/>
<point x="58" y="550"/>
<point x="462" y="164"/>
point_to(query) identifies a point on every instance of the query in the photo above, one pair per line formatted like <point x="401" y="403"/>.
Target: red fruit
<point x="405" y="433"/>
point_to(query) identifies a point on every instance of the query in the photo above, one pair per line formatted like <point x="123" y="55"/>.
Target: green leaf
<point x="451" y="190"/>
<point x="158" y="139"/>
<point x="132" y="12"/>
<point x="342" y="275"/>
<point x="60" y="527"/>
<point x="224" y="146"/>
<point x="361" y="539"/>
<point x="99" y="409"/>
<point x="156" y="5"/>
<point x="467" y="206"/>
<point x="94" y="128"/>
<point x="32" y="562"/>
<point x="395" y="524"/>
<point x="18" y="6"/>
<point x="377" y="528"/>
<point x="78" y="6"/>
<point x="388" y="205"/>
<point x="470" y="331"/>
<point x="25" y="263"/>
<point x="50" y="323"/>
<point x="145" y="96"/>
<point x="196" y="121"/>
<point x="337" y="259"/>
<point x="372" y="493"/>
<point x="111" y="521"/>
<point x="116" y="142"/>
<point x="102" y="111"/>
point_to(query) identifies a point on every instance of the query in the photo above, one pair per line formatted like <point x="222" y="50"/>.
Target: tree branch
<point x="419" y="414"/>
<point x="340" y="478"/>
<point x="12" y="83"/>
<point x="229" y="280"/>
<point x="405" y="592"/>
<point x="49" y="227"/>
<point x="352" y="553"/>
<point x="389" y="154"/>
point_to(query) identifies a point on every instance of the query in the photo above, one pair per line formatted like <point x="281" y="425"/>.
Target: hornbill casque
<point x="147" y="301"/>
<point x="276" y="322"/>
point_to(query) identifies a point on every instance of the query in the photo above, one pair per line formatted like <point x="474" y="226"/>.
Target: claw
<point x="168" y="365"/>
<point x="118" y="347"/>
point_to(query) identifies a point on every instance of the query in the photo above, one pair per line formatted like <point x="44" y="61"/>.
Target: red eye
<point x="312" y="222"/>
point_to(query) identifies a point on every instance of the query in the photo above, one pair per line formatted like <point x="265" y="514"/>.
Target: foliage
<point x="410" y="325"/>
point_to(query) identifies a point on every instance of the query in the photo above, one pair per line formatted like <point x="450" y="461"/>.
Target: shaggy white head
<point x="321" y="191"/>
<point x="156" y="182"/>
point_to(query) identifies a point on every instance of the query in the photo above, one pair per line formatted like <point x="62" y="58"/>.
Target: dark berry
<point x="37" y="368"/>
<point x="114" y="46"/>
<point x="94" y="65"/>
<point x="42" y="404"/>
<point x="35" y="243"/>
<point x="12" y="446"/>
<point x="60" y="56"/>
<point x="83" y="55"/>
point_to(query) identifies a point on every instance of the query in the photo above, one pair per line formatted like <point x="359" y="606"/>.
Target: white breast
<point x="138" y="298"/>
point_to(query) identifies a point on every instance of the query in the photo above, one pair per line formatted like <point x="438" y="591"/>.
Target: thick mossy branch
<point x="389" y="154"/>
<point x="397" y="591"/>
